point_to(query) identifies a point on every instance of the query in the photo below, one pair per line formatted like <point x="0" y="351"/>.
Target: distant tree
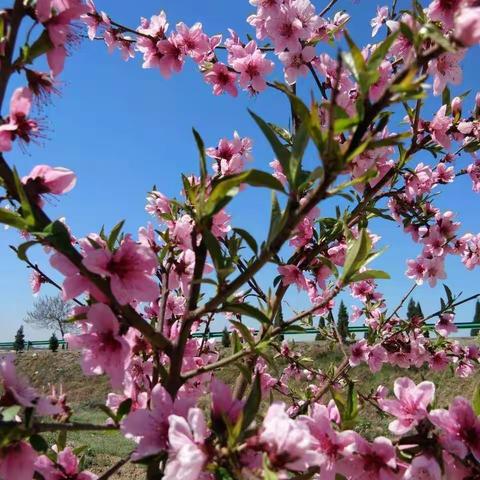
<point x="19" y="343"/>
<point x="411" y="309"/>
<point x="419" y="310"/>
<point x="226" y="338"/>
<point x="53" y="343"/>
<point x="50" y="313"/>
<point x="342" y="321"/>
<point x="321" y="324"/>
<point x="476" y="319"/>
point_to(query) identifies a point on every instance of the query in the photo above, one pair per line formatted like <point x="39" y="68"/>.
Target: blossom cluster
<point x="140" y="298"/>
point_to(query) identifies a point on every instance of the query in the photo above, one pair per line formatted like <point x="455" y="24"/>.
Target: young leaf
<point x="226" y="188"/>
<point x="246" y="309"/>
<point x="356" y="255"/>
<point x="252" y="404"/>
<point x="249" y="240"/>
<point x="112" y="238"/>
<point x="12" y="219"/>
<point x="368" y="274"/>
<point x="201" y="151"/>
<point x="245" y="332"/>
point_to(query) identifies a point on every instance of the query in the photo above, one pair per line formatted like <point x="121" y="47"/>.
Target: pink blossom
<point x="419" y="182"/>
<point x="435" y="270"/>
<point x="279" y="174"/>
<point x="224" y="404"/>
<point x="439" y="127"/>
<point x="17" y="124"/>
<point x="288" y="443"/>
<point x="129" y="268"/>
<point x="187" y="455"/>
<point x="358" y="353"/>
<point x="295" y="63"/>
<point x="416" y="270"/>
<point x="180" y="231"/>
<point x="378" y="88"/>
<point x="445" y="324"/>
<point x="410" y="406"/>
<point x="104" y="349"/>
<point x="230" y="155"/>
<point x="444" y="174"/>
<point x="446" y="69"/>
<point x="423" y="467"/>
<point x="59" y="27"/>
<point x="473" y="171"/>
<point x="370" y="461"/>
<point x="327" y="442"/>
<point x="379" y="20"/>
<point x="192" y="41"/>
<point x="460" y="428"/>
<point x="221" y="224"/>
<point x="44" y="179"/>
<point x="36" y="280"/>
<point x="149" y="427"/>
<point x="17" y="461"/>
<point x="66" y="467"/>
<point x="94" y="19"/>
<point x="75" y="283"/>
<point x="253" y="66"/>
<point x="376" y="357"/>
<point x="17" y="391"/>
<point x="292" y="274"/>
<point x="222" y="79"/>
<point x="444" y="11"/>
<point x="285" y="29"/>
<point x="171" y="56"/>
<point x="467" y="26"/>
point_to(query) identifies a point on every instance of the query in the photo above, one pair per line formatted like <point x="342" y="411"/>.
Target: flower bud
<point x="456" y="106"/>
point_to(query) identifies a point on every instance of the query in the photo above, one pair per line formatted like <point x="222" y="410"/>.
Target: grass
<point x="102" y="451"/>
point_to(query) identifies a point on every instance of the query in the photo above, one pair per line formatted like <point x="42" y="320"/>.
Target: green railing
<point x="359" y="329"/>
<point x="306" y="331"/>
<point x="62" y="344"/>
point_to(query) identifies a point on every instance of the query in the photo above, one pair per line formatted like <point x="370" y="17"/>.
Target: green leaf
<point x="41" y="46"/>
<point x="281" y="151"/>
<point x="276" y="218"/>
<point x="432" y="32"/>
<point x="227" y="187"/>
<point x="112" y="238"/>
<point x="476" y="400"/>
<point x="222" y="473"/>
<point x="21" y="250"/>
<point x="300" y="142"/>
<point x="57" y="234"/>
<point x="252" y="404"/>
<point x="61" y="440"/>
<point x="248" y="310"/>
<point x="38" y="443"/>
<point x="12" y="219"/>
<point x="27" y="210"/>
<point x="214" y="249"/>
<point x="8" y="414"/>
<point x="249" y="240"/>
<point x="356" y="255"/>
<point x="124" y="408"/>
<point x="368" y="274"/>
<point x="201" y="151"/>
<point x="381" y="50"/>
<point x="245" y="332"/>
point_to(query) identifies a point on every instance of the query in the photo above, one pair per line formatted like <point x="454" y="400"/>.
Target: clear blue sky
<point x="123" y="129"/>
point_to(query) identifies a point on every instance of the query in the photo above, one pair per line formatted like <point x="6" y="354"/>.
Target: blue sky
<point x="123" y="129"/>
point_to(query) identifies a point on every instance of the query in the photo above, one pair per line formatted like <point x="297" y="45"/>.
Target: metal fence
<point x="63" y="345"/>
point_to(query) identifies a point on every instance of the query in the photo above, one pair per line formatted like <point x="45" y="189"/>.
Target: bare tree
<point x="51" y="313"/>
